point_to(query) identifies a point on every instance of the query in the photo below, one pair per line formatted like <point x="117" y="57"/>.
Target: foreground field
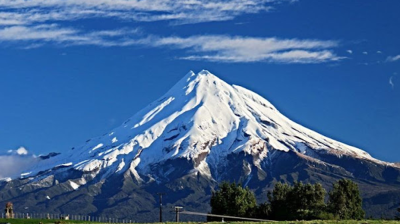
<point x="37" y="221"/>
<point x="47" y="221"/>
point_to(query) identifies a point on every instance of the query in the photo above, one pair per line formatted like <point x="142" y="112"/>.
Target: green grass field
<point x="47" y="221"/>
<point x="35" y="221"/>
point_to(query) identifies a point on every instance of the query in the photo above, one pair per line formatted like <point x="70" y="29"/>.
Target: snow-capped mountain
<point x="201" y="128"/>
<point x="202" y="119"/>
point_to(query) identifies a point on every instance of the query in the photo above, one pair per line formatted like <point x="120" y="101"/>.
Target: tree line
<point x="290" y="202"/>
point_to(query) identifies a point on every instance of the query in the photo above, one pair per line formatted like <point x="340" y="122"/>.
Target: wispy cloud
<point x="36" y="36"/>
<point x="391" y="83"/>
<point x="391" y="79"/>
<point x="349" y="51"/>
<point x="250" y="49"/>
<point x="34" y="23"/>
<point x="19" y="12"/>
<point x="393" y="58"/>
<point x="217" y="48"/>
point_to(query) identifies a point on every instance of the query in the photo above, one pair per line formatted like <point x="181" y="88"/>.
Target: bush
<point x="327" y="216"/>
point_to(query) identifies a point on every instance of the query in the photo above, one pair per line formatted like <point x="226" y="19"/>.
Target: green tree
<point x="234" y="200"/>
<point x="307" y="200"/>
<point x="278" y="200"/>
<point x="345" y="200"/>
<point x="300" y="201"/>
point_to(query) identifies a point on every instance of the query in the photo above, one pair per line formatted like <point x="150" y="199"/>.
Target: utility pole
<point x="177" y="212"/>
<point x="160" y="194"/>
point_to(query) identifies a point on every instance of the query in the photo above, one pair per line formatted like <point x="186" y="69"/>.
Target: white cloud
<point x="31" y="24"/>
<point x="391" y="83"/>
<point x="15" y="162"/>
<point x="393" y="58"/>
<point x="391" y="80"/>
<point x="365" y="52"/>
<point x="20" y="151"/>
<point x="295" y="56"/>
<point x="42" y="32"/>
<point x="250" y="49"/>
<point x="18" y="12"/>
<point x="219" y="48"/>
<point x="379" y="52"/>
<point x="350" y="51"/>
<point x="35" y="36"/>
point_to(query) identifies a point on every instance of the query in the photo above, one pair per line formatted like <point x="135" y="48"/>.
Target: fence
<point x="69" y="217"/>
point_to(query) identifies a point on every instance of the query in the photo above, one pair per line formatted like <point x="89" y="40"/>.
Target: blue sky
<point x="74" y="69"/>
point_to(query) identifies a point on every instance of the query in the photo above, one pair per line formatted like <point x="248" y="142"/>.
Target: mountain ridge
<point x="150" y="123"/>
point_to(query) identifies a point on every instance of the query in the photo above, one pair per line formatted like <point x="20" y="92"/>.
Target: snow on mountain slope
<point x="201" y="119"/>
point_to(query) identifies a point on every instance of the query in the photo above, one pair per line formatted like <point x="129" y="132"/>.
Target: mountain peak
<point x="202" y="72"/>
<point x="205" y="72"/>
<point x="190" y="76"/>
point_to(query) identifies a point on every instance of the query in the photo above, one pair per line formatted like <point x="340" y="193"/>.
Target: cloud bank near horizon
<point x="15" y="162"/>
